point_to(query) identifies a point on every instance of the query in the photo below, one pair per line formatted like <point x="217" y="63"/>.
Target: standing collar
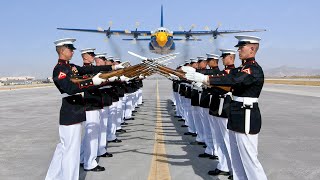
<point x="62" y="61"/>
<point x="87" y="64"/>
<point x="248" y="61"/>
<point x="229" y="66"/>
<point x="216" y="67"/>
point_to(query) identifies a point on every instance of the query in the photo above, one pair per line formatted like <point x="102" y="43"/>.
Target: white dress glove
<point x="97" y="80"/>
<point x="124" y="78"/>
<point x="198" y="86"/>
<point x="174" y="77"/>
<point x="141" y="76"/>
<point x="118" y="66"/>
<point x="113" y="78"/>
<point x="188" y="69"/>
<point x="197" y="77"/>
<point x="121" y="65"/>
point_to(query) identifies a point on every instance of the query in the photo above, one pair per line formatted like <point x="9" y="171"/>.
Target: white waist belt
<point x="245" y="99"/>
<point x="248" y="105"/>
<point x="67" y="95"/>
<point x="222" y="101"/>
<point x="105" y="87"/>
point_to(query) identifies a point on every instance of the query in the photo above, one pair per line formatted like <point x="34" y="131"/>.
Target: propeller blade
<point x="134" y="41"/>
<point x="137" y="24"/>
<point x="192" y="26"/>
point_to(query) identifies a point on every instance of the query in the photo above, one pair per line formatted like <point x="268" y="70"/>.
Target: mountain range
<point x="285" y="71"/>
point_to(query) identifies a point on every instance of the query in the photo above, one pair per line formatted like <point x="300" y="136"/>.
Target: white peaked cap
<point x="187" y="61"/>
<point x="117" y="59"/>
<point x="193" y="60"/>
<point x="64" y="41"/>
<point x="110" y="58"/>
<point x="99" y="55"/>
<point x="243" y="39"/>
<point x="227" y="51"/>
<point x="212" y="56"/>
<point x="201" y="58"/>
<point x="87" y="50"/>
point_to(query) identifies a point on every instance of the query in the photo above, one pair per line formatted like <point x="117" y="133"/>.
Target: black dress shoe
<point x="134" y="111"/>
<point x="129" y="119"/>
<point x="204" y="146"/>
<point x="204" y="155"/>
<point x="115" y="141"/>
<point x="214" y="157"/>
<point x="217" y="172"/>
<point x="124" y="123"/>
<point x="121" y="131"/>
<point x="133" y="115"/>
<point x="181" y="120"/>
<point x="230" y="177"/>
<point x="188" y="133"/>
<point x="81" y="164"/>
<point x="184" y="125"/>
<point x="201" y="143"/>
<point x="137" y="107"/>
<point x="177" y="116"/>
<point x="194" y="134"/>
<point x="106" y="155"/>
<point x="96" y="169"/>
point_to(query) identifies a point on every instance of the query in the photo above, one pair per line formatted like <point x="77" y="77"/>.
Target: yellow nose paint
<point x="162" y="38"/>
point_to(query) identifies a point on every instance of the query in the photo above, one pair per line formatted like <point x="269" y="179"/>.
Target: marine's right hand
<point x="97" y="80"/>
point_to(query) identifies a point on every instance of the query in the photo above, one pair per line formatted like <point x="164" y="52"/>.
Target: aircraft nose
<point x="162" y="39"/>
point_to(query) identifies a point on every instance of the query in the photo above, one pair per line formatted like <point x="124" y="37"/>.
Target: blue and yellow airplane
<point x="162" y="40"/>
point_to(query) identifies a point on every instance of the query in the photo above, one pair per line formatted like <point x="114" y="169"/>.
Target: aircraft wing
<point x="110" y="32"/>
<point x="214" y="32"/>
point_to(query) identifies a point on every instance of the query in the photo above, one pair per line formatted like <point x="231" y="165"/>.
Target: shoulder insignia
<point x="248" y="70"/>
<point x="227" y="71"/>
<point x="62" y="75"/>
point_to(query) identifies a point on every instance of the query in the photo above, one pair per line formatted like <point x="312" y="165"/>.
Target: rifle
<point x="181" y="75"/>
<point x="107" y="75"/>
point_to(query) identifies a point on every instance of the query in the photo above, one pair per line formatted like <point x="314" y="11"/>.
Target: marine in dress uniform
<point x="244" y="122"/>
<point x="100" y="60"/>
<point x="93" y="101"/>
<point x="219" y="109"/>
<point x="66" y="158"/>
<point x="205" y="101"/>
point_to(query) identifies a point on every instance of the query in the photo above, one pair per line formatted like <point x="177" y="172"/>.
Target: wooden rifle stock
<point x="181" y="75"/>
<point x="167" y="70"/>
<point x="106" y="75"/>
<point x="135" y="72"/>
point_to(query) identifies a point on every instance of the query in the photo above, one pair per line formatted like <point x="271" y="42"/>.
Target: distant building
<point x="18" y="78"/>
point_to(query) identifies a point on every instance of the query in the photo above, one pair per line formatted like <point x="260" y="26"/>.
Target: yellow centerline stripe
<point x="159" y="165"/>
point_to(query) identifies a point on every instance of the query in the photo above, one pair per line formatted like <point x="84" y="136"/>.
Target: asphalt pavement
<point x="288" y="142"/>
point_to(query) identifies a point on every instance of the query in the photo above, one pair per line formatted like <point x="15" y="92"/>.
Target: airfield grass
<point x="13" y="87"/>
<point x="292" y="82"/>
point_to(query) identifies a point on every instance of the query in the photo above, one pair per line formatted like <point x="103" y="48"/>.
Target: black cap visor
<point x="70" y="46"/>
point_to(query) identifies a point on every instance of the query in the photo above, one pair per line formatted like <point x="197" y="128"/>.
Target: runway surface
<point x="288" y="142"/>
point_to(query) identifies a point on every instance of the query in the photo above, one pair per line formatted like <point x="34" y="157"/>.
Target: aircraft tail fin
<point x="161" y="16"/>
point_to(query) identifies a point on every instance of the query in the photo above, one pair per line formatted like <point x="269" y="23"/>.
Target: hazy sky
<point x="28" y="29"/>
